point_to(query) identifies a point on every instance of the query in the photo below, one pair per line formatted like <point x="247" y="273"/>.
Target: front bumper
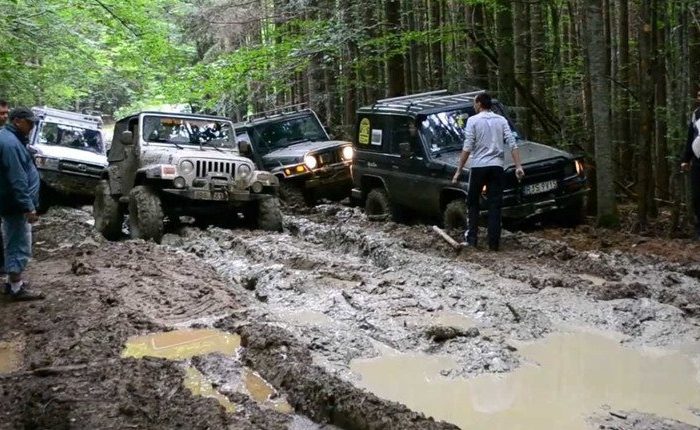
<point x="331" y="177"/>
<point x="219" y="195"/>
<point x="69" y="183"/>
<point x="532" y="209"/>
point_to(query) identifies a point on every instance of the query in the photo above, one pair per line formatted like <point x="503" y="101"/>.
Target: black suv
<point x="292" y="144"/>
<point x="407" y="150"/>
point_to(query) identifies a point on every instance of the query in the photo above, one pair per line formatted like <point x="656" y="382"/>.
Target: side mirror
<point x="405" y="150"/>
<point x="126" y="138"/>
<point x="244" y="148"/>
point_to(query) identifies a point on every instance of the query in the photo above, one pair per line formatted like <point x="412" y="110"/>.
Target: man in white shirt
<point x="487" y="135"/>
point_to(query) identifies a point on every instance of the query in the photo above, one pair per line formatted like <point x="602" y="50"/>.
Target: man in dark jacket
<point x="19" y="197"/>
<point x="690" y="161"/>
<point x="4" y="111"/>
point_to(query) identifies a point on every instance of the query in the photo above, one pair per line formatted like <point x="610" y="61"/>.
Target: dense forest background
<point x="613" y="79"/>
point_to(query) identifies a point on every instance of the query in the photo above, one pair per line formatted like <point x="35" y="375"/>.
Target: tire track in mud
<point x="347" y="287"/>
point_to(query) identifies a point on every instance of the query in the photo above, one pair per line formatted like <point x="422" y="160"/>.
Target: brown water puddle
<point x="572" y="377"/>
<point x="262" y="392"/>
<point x="182" y="344"/>
<point x="185" y="344"/>
<point x="200" y="386"/>
<point x="10" y="357"/>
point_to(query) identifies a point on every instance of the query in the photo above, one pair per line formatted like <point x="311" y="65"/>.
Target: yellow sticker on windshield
<point x="365" y="127"/>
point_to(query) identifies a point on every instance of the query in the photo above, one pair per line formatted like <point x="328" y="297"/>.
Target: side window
<point x="403" y="129"/>
<point x="373" y="134"/>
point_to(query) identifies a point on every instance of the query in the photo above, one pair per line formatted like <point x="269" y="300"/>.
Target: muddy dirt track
<point x="350" y="324"/>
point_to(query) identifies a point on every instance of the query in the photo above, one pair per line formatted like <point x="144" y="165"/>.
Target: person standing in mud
<point x="487" y="134"/>
<point x="19" y="197"/>
<point x="4" y="111"/>
<point x="690" y="161"/>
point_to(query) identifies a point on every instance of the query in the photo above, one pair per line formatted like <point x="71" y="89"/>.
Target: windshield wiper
<point x="207" y="144"/>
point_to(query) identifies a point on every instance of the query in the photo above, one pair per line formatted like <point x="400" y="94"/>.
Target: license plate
<point x="540" y="187"/>
<point x="218" y="195"/>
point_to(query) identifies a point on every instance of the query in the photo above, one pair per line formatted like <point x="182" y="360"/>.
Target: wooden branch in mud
<point x="446" y="237"/>
<point x="514" y="312"/>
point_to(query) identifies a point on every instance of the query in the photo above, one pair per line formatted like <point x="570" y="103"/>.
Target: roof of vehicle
<point x="67" y="117"/>
<point x="274" y="114"/>
<point x="423" y="103"/>
<point x="177" y="114"/>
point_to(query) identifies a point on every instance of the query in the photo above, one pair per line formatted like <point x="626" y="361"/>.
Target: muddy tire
<point x="269" y="216"/>
<point x="47" y="198"/>
<point x="455" y="215"/>
<point x="107" y="213"/>
<point x="377" y="205"/>
<point x="293" y="196"/>
<point x="145" y="214"/>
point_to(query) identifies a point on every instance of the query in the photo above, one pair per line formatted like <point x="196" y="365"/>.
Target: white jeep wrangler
<point x="166" y="165"/>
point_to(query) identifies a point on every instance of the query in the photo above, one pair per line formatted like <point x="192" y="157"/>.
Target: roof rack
<point x="277" y="111"/>
<point x="412" y="96"/>
<point x="68" y="115"/>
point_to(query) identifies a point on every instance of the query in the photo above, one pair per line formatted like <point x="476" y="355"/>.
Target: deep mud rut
<point x="319" y="307"/>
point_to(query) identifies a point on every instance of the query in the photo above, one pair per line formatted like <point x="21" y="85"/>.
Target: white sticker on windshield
<point x="377" y="137"/>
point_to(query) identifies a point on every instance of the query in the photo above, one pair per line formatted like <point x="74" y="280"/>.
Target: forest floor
<point x="339" y="322"/>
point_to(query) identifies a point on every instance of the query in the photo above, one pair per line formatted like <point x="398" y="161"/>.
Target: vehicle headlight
<point x="310" y="161"/>
<point x="179" y="182"/>
<point x="257" y="187"/>
<point x="244" y="171"/>
<point x="186" y="167"/>
<point x="579" y="167"/>
<point x="46" y="162"/>
<point x="348" y="153"/>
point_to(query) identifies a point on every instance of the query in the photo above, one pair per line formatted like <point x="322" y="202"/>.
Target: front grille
<point x="80" y="168"/>
<point x="329" y="157"/>
<point x="540" y="172"/>
<point x="203" y="168"/>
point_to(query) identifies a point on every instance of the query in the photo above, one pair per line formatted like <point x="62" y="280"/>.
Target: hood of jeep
<point x="530" y="152"/>
<point x="161" y="156"/>
<point x="295" y="153"/>
<point x="71" y="154"/>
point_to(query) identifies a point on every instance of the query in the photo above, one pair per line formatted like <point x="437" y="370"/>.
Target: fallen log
<point x="447" y="237"/>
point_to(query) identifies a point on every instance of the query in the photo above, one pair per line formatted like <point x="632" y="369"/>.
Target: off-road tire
<point x="455" y="215"/>
<point x="292" y="195"/>
<point x="269" y="216"/>
<point x="47" y="198"/>
<point x="107" y="212"/>
<point x="145" y="214"/>
<point x="377" y="205"/>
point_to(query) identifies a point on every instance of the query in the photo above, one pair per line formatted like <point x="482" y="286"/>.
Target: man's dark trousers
<point x="695" y="192"/>
<point x="492" y="177"/>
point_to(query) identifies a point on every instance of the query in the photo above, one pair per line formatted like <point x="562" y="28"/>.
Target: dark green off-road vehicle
<point x="292" y="144"/>
<point x="407" y="150"/>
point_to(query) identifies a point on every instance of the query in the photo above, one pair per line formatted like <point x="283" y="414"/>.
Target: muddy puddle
<point x="10" y="357"/>
<point x="182" y="344"/>
<point x="189" y="343"/>
<point x="566" y="378"/>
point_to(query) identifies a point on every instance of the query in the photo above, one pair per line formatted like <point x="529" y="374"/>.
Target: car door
<point x="408" y="168"/>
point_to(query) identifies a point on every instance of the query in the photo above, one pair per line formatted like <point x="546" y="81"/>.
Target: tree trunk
<point x="478" y="63"/>
<point x="523" y="68"/>
<point x="504" y="47"/>
<point x="624" y="75"/>
<point x="663" y="173"/>
<point x="600" y="100"/>
<point x="646" y="101"/>
<point x="394" y="62"/>
<point x="437" y="66"/>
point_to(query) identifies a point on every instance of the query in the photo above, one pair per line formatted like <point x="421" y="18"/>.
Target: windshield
<point x="71" y="137"/>
<point x="188" y="131"/>
<point x="283" y="133"/>
<point x="445" y="130"/>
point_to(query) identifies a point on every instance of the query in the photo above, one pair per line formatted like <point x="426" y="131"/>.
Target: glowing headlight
<point x="186" y="167"/>
<point x="244" y="170"/>
<point x="310" y="161"/>
<point x="348" y="153"/>
<point x="579" y="167"/>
